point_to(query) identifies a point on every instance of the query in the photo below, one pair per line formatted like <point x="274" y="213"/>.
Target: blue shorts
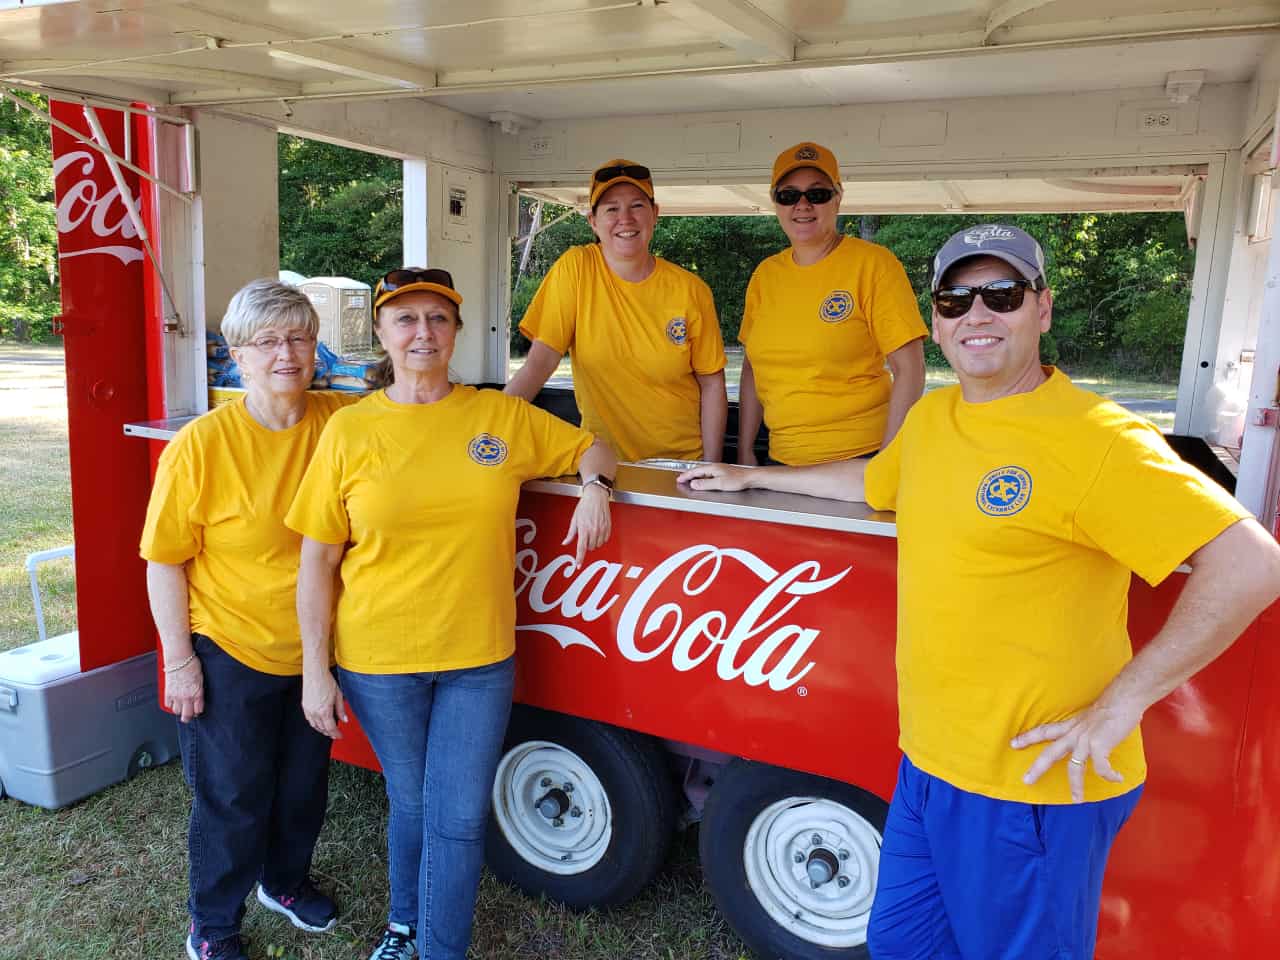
<point x="966" y="877"/>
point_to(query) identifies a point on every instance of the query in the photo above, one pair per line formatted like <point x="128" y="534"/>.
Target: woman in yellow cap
<point x="821" y="320"/>
<point x="642" y="333"/>
<point x="407" y="514"/>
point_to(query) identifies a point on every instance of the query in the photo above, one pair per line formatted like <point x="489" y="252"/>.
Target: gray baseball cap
<point x="1015" y="247"/>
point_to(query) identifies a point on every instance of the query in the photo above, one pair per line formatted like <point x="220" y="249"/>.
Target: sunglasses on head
<point x="632" y="170"/>
<point x="407" y="275"/>
<point x="790" y="196"/>
<point x="999" y="296"/>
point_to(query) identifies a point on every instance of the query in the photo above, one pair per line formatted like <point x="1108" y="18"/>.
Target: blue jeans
<point x="259" y="778"/>
<point x="438" y="737"/>
<point x="968" y="877"/>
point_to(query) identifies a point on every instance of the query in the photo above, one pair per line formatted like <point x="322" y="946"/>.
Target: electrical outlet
<point x="1157" y="121"/>
<point x="540" y="145"/>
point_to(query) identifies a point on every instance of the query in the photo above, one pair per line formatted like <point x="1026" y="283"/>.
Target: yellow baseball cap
<point x="620" y="171"/>
<point x="806" y="154"/>
<point x="408" y="279"/>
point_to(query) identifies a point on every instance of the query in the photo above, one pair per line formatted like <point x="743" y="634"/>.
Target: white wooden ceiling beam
<point x="333" y="60"/>
<point x="738" y="24"/>
<point x="1011" y="10"/>
<point x="150" y="70"/>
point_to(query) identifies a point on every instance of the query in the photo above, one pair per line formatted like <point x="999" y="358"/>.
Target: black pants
<point x="259" y="777"/>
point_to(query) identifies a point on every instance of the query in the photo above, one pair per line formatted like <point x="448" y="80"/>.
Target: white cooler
<point x="66" y="734"/>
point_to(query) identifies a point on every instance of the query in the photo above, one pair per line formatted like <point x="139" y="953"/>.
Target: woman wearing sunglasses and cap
<point x="410" y="505"/>
<point x="821" y="320"/>
<point x="643" y="334"/>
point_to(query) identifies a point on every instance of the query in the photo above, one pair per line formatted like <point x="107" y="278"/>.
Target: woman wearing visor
<point x="642" y="333"/>
<point x="820" y="322"/>
<point x="407" y="514"/>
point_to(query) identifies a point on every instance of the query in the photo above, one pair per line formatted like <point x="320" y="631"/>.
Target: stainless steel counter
<point x="653" y="484"/>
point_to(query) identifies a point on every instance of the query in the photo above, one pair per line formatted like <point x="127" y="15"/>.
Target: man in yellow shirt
<point x="1023" y="506"/>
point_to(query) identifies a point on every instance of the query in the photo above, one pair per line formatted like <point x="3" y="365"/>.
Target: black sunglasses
<point x="632" y="170"/>
<point x="790" y="196"/>
<point x="407" y="275"/>
<point x="1000" y="296"/>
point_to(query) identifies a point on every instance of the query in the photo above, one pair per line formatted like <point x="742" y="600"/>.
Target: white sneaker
<point x="396" y="943"/>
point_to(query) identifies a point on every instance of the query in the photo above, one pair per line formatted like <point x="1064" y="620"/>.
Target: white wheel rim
<point x="525" y="775"/>
<point x="778" y="851"/>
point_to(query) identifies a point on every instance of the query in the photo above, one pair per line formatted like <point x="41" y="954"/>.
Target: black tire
<point x="849" y="822"/>
<point x="638" y="808"/>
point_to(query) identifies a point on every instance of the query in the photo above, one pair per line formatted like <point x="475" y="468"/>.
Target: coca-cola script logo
<point x="83" y="204"/>
<point x="756" y="644"/>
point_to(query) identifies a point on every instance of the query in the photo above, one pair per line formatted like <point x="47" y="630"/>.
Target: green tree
<point x="341" y="210"/>
<point x="28" y="229"/>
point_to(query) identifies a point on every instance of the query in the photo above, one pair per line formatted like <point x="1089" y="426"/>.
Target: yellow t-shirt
<point x="217" y="507"/>
<point x="424" y="497"/>
<point x="635" y="347"/>
<point x="817" y="337"/>
<point x="1019" y="522"/>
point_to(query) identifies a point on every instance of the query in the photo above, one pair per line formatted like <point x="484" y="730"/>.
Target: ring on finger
<point x="1078" y="763"/>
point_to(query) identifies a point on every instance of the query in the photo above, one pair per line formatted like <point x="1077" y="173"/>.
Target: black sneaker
<point x="229" y="948"/>
<point x="306" y="907"/>
<point x="396" y="944"/>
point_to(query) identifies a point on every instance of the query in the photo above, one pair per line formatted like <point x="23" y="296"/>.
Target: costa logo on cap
<point x="487" y="450"/>
<point x="806" y="153"/>
<point x="991" y="232"/>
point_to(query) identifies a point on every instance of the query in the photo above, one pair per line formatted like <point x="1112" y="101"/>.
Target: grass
<point x="106" y="877"/>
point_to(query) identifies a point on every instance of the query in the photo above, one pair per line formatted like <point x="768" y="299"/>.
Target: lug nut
<point x="799" y="858"/>
<point x="546" y="782"/>
<point x="844" y="854"/>
<point x="575" y="812"/>
<point x="842" y="881"/>
<point x="816" y="839"/>
<point x="567" y="788"/>
<point x="558" y="822"/>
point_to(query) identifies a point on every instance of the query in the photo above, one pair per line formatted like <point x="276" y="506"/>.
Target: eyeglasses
<point x="407" y="275"/>
<point x="632" y="170"/>
<point x="297" y="341"/>
<point x="790" y="196"/>
<point x="999" y="296"/>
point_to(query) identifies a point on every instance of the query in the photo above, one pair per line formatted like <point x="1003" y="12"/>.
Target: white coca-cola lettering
<point x="80" y="202"/>
<point x="756" y="647"/>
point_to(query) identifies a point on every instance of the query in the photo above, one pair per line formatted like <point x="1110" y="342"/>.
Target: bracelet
<point x="176" y="667"/>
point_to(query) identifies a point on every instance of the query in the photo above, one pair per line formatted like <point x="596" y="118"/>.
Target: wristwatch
<point x="600" y="480"/>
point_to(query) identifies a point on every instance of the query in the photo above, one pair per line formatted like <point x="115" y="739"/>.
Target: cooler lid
<point x="42" y="662"/>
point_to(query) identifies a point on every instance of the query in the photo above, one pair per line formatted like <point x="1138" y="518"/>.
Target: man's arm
<point x="714" y="409"/>
<point x="538" y="367"/>
<point x="750" y="415"/>
<point x="838" y="480"/>
<point x="1234" y="577"/>
<point x="907" y="366"/>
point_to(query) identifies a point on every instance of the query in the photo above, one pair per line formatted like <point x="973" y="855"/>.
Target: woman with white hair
<point x="221" y="575"/>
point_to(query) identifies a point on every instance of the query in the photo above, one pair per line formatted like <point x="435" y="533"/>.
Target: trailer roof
<point x="546" y="59"/>
<point x="520" y="62"/>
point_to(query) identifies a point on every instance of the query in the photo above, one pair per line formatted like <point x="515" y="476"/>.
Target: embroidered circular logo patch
<point x="678" y="331"/>
<point x="1004" y="491"/>
<point x="837" y="306"/>
<point x="487" y="449"/>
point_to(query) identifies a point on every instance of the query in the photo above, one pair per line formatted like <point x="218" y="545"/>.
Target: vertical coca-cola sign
<point x="103" y="323"/>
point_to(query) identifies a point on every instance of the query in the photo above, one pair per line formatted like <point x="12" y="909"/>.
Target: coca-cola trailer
<point x="725" y="659"/>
